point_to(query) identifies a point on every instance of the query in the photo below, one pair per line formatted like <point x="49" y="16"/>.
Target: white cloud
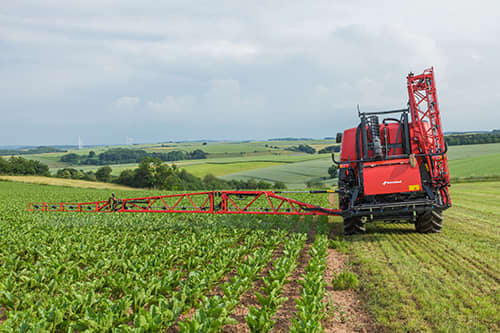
<point x="127" y="102"/>
<point x="172" y="104"/>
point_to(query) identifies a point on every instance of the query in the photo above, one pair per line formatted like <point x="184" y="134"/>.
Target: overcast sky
<point x="184" y="70"/>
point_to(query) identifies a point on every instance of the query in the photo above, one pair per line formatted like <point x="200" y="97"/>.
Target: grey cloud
<point x="235" y="70"/>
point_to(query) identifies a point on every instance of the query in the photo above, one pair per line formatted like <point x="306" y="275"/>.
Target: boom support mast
<point x="426" y="118"/>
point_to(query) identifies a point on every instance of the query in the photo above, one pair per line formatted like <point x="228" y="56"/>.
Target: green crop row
<point x="216" y="310"/>
<point x="310" y="307"/>
<point x="105" y="272"/>
<point x="261" y="319"/>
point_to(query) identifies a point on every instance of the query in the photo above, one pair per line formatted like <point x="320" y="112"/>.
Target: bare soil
<point x="345" y="311"/>
<point x="3" y="317"/>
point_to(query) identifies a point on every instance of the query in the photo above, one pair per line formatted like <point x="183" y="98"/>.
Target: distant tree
<point x="204" y="143"/>
<point x="251" y="184"/>
<point x="211" y="182"/>
<point x="197" y="154"/>
<point x="91" y="154"/>
<point x="262" y="185"/>
<point x="329" y="149"/>
<point x="89" y="175"/>
<point x="63" y="174"/>
<point x="69" y="173"/>
<point x="71" y="158"/>
<point x="314" y="184"/>
<point x="144" y="176"/>
<point x="302" y="148"/>
<point x="279" y="185"/>
<point x="21" y="166"/>
<point x="103" y="174"/>
<point x="127" y="177"/>
<point x="161" y="172"/>
<point x="174" y="183"/>
<point x="4" y="166"/>
<point x="333" y="171"/>
<point x="155" y="173"/>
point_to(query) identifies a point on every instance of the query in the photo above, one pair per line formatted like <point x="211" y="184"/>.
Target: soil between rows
<point x="345" y="311"/>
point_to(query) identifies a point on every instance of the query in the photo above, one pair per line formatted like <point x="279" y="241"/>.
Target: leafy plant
<point x="260" y="319"/>
<point x="310" y="307"/>
<point x="345" y="280"/>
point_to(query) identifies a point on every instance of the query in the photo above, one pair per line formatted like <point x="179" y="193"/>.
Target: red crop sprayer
<point x="392" y="167"/>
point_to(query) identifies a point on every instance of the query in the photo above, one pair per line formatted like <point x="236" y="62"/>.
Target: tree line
<point x="472" y="139"/>
<point x="329" y="149"/>
<point x="154" y="173"/>
<point x="302" y="148"/>
<point x="38" y="150"/>
<point x="21" y="166"/>
<point x="125" y="155"/>
<point x="151" y="173"/>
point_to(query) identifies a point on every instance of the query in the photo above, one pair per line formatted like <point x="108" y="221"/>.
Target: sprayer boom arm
<point x="211" y="202"/>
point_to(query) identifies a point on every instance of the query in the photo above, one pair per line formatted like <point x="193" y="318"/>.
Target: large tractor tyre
<point x="429" y="222"/>
<point x="353" y="226"/>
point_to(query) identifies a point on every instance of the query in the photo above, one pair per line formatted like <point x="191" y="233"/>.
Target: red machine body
<point x="396" y="176"/>
<point x="394" y="170"/>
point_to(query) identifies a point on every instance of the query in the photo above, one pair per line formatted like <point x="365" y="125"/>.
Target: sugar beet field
<point x="190" y="273"/>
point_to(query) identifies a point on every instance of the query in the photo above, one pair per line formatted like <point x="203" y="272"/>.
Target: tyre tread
<point x="429" y="222"/>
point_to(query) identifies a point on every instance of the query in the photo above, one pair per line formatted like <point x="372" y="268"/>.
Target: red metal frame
<point x="426" y="122"/>
<point x="211" y="202"/>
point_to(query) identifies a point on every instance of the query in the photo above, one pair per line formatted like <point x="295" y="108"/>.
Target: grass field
<point x="272" y="159"/>
<point x="446" y="282"/>
<point x="293" y="175"/>
<point x="469" y="151"/>
<point x="486" y="165"/>
<point x="64" y="271"/>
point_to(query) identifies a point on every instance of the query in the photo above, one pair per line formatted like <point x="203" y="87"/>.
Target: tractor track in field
<point x="450" y="263"/>
<point x="479" y="266"/>
<point x="457" y="290"/>
<point x="437" y="249"/>
<point x="478" y="213"/>
<point x="401" y="283"/>
<point x="455" y="259"/>
<point x="404" y="285"/>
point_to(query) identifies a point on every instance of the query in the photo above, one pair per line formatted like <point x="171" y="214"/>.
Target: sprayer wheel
<point x="353" y="225"/>
<point x="429" y="222"/>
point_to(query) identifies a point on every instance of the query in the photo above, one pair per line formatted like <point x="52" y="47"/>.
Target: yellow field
<point x="65" y="182"/>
